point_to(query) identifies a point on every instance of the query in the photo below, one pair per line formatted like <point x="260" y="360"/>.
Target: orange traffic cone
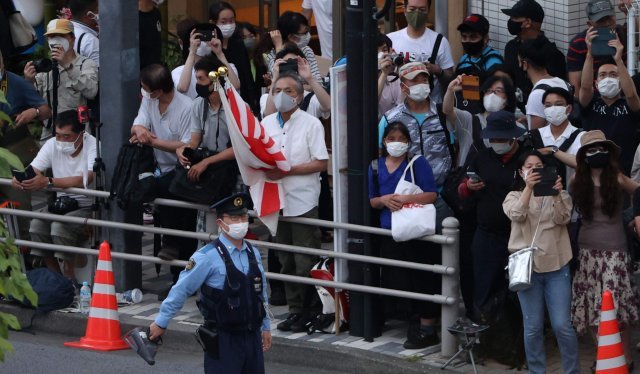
<point x="610" y="349"/>
<point x="103" y="326"/>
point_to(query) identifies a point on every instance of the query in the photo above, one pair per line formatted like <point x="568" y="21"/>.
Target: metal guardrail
<point x="449" y="242"/>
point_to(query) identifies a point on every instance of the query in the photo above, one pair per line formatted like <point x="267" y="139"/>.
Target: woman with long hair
<point x="384" y="175"/>
<point x="598" y="188"/>
<point x="542" y="220"/>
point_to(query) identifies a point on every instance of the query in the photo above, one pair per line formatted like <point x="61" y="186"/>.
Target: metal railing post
<point x="632" y="50"/>
<point x="450" y="285"/>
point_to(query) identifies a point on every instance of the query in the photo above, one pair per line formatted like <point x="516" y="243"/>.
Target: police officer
<point x="230" y="279"/>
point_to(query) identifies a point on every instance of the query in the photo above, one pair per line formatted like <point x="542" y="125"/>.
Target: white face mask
<point x="146" y="94"/>
<point x="227" y="30"/>
<point x="304" y="40"/>
<point x="284" y="102"/>
<point x="58" y="40"/>
<point x="397" y="149"/>
<point x="501" y="148"/>
<point x="67" y="148"/>
<point x="525" y="173"/>
<point x="203" y="49"/>
<point x="493" y="103"/>
<point x="237" y="230"/>
<point x="556" y="115"/>
<point x="419" y="92"/>
<point x="609" y="87"/>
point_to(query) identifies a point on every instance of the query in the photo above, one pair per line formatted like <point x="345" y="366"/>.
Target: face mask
<point x="525" y="173"/>
<point x="304" y="40"/>
<point x="514" y="27"/>
<point x="203" y="90"/>
<point x="227" y="30"/>
<point x="146" y="95"/>
<point x="416" y="19"/>
<point x="158" y="2"/>
<point x="609" y="87"/>
<point x="556" y="115"/>
<point x="284" y="103"/>
<point x="67" y="148"/>
<point x="249" y="43"/>
<point x="203" y="49"/>
<point x="59" y="40"/>
<point x="493" y="103"/>
<point x="237" y="230"/>
<point x="474" y="48"/>
<point x="501" y="148"/>
<point x="598" y="160"/>
<point x="419" y="92"/>
<point x="397" y="149"/>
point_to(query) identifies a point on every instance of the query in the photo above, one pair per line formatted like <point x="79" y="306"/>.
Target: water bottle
<point x="85" y="298"/>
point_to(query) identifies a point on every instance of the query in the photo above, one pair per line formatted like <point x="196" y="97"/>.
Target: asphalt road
<point x="46" y="353"/>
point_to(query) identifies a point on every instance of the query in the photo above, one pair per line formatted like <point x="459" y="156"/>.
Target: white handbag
<point x="413" y="220"/>
<point x="521" y="263"/>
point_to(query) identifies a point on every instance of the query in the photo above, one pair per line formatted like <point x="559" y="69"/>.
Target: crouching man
<point x="231" y="285"/>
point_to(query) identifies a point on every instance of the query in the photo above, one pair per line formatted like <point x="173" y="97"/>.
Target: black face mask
<point x="515" y="28"/>
<point x="598" y="160"/>
<point x="203" y="90"/>
<point x="473" y="48"/>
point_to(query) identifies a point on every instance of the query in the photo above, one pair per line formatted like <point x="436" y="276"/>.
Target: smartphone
<point x="205" y="35"/>
<point x="22" y="176"/>
<point x="289" y="65"/>
<point x="471" y="87"/>
<point x="600" y="46"/>
<point x="548" y="177"/>
<point x="474" y="177"/>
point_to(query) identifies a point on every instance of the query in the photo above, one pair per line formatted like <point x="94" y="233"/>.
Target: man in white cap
<point x="77" y="76"/>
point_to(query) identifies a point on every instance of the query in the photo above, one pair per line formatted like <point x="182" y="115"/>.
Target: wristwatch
<point x="50" y="184"/>
<point x="554" y="149"/>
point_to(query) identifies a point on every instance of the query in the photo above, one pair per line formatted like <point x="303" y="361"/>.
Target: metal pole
<point x="450" y="286"/>
<point x="338" y="15"/>
<point x="631" y="40"/>
<point x="274" y="13"/>
<point x="442" y="17"/>
<point x="119" y="93"/>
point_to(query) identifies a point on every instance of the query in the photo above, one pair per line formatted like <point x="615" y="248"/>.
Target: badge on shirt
<point x="190" y="265"/>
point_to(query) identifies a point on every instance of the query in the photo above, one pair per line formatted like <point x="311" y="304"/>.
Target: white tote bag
<point x="413" y="220"/>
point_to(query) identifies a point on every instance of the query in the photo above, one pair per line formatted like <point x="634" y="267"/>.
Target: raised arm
<point x="586" y="83"/>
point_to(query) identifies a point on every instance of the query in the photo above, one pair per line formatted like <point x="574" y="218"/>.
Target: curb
<point x="179" y="337"/>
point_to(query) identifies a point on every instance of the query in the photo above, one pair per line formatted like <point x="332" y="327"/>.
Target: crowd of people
<point x="484" y="127"/>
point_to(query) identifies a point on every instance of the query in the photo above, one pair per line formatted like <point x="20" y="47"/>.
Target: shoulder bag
<point x="521" y="263"/>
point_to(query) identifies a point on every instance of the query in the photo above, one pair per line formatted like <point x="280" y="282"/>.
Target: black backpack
<point x="133" y="180"/>
<point x="54" y="290"/>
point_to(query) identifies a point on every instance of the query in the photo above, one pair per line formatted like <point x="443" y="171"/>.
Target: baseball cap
<point x="475" y="23"/>
<point x="412" y="70"/>
<point x="526" y="9"/>
<point x="59" y="26"/>
<point x="598" y="9"/>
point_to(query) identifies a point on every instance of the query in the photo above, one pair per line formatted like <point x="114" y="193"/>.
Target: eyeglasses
<point x="236" y="218"/>
<point x="496" y="91"/>
<point x="595" y="150"/>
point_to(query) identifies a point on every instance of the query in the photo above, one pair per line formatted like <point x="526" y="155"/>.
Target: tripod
<point x="99" y="178"/>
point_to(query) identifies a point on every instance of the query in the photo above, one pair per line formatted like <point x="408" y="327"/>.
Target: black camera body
<point x="289" y="65"/>
<point x="402" y="58"/>
<point x="43" y="65"/>
<point x="196" y="155"/>
<point x="205" y="35"/>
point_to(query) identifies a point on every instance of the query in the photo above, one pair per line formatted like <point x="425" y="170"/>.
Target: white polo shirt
<point x="172" y="125"/>
<point x="322" y="13"/>
<point x="302" y="140"/>
<point x="548" y="140"/>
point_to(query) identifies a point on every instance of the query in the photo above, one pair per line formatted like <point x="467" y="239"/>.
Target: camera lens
<point x="43" y="65"/>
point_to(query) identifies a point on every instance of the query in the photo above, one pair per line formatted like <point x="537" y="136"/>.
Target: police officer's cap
<point x="233" y="205"/>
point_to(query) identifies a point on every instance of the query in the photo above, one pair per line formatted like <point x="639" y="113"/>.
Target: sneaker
<point x="287" y="323"/>
<point x="302" y="324"/>
<point x="420" y="339"/>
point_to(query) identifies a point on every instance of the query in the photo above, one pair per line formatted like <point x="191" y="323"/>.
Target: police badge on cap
<point x="234" y="205"/>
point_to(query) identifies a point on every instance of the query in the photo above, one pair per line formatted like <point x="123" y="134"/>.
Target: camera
<point x="83" y="114"/>
<point x="43" y="65"/>
<point x="289" y="65"/>
<point x="205" y="35"/>
<point x="196" y="155"/>
<point x="402" y="58"/>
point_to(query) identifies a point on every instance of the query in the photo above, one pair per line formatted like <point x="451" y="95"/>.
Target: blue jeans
<point x="554" y="290"/>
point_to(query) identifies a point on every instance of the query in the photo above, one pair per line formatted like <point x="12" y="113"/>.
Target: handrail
<point x="440" y="299"/>
<point x="439" y="269"/>
<point x="439" y="239"/>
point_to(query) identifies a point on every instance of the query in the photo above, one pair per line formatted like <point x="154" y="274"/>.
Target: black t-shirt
<point x="556" y="64"/>
<point x="618" y="123"/>
<point x="150" y="38"/>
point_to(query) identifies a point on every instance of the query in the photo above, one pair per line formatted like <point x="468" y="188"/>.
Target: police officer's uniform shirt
<point x="216" y="124"/>
<point x="208" y="268"/>
<point x="78" y="82"/>
<point x="172" y="125"/>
